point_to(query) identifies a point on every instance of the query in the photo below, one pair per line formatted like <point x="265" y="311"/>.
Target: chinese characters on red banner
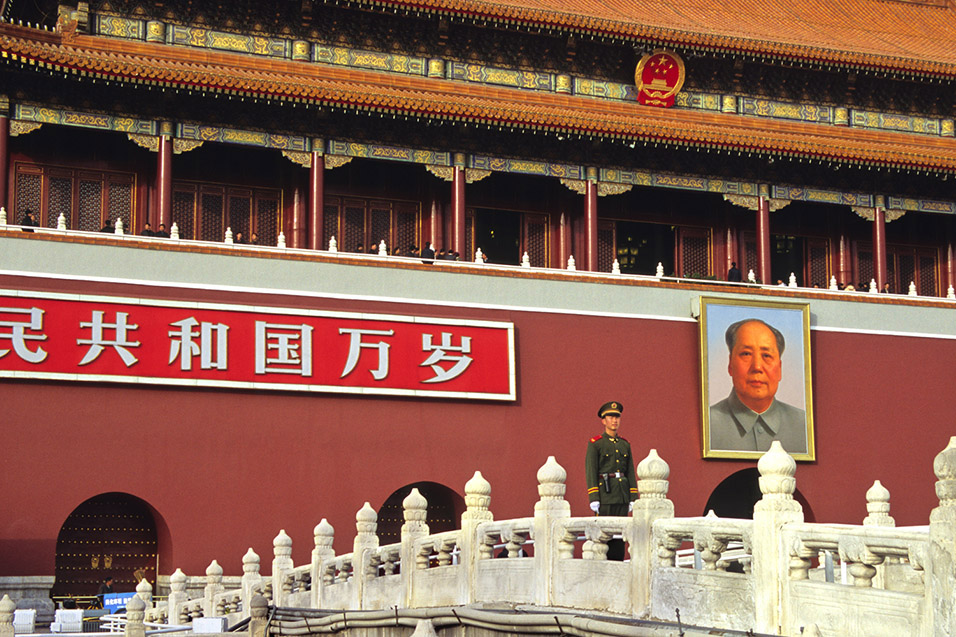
<point x="160" y="342"/>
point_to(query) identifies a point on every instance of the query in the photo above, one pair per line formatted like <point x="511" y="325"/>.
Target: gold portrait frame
<point x="792" y="321"/>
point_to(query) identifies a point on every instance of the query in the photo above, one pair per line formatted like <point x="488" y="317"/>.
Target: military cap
<point x="612" y="408"/>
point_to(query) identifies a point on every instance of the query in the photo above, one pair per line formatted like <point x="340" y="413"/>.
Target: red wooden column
<point x="763" y="236"/>
<point x="590" y="222"/>
<point x="458" y="209"/>
<point x="879" y="243"/>
<point x="317" y="201"/>
<point x="5" y="164"/>
<point x="950" y="266"/>
<point x="164" y="177"/>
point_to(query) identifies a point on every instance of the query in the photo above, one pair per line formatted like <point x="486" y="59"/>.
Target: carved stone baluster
<point x="423" y="557"/>
<point x="486" y="549"/>
<point x="667" y="550"/>
<point x="566" y="545"/>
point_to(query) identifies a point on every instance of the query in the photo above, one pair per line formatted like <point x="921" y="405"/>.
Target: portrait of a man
<point x="745" y="409"/>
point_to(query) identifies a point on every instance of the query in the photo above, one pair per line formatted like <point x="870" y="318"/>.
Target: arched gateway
<point x="111" y="534"/>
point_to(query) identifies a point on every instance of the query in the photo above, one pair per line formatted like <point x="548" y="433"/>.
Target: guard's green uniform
<point x="611" y="480"/>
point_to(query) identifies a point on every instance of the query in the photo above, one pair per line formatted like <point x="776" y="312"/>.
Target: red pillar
<point x="950" y="267"/>
<point x="317" y="202"/>
<point x="590" y="261"/>
<point x="763" y="239"/>
<point x="879" y="246"/>
<point x="5" y="166"/>
<point x="458" y="214"/>
<point x="164" y="182"/>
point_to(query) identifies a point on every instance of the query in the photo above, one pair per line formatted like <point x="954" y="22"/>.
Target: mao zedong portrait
<point x="751" y="417"/>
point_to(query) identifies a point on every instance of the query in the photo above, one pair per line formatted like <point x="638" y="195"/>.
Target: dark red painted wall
<point x="226" y="470"/>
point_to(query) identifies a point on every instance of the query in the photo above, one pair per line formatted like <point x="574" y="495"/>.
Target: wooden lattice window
<point x="354" y="221"/>
<point x="536" y="239"/>
<point x="469" y="233"/>
<point x="87" y="199"/>
<point x="694" y="252"/>
<point x="204" y="211"/>
<point x="750" y="261"/>
<point x="817" y="271"/>
<point x="606" y="246"/>
<point x="927" y="275"/>
<point x="864" y="265"/>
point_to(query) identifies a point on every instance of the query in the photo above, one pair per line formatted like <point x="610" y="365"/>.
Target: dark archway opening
<point x="109" y="535"/>
<point x="445" y="507"/>
<point x="737" y="494"/>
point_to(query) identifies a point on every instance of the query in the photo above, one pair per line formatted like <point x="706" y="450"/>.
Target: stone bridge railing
<point x="774" y="574"/>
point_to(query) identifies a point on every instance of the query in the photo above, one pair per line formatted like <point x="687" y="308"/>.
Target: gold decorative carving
<point x="302" y="158"/>
<point x="606" y="188"/>
<point x="107" y="561"/>
<point x="442" y="172"/>
<point x="577" y="185"/>
<point x="334" y="161"/>
<point x="474" y="174"/>
<point x="95" y="561"/>
<point x="149" y="142"/>
<point x="752" y="203"/>
<point x="185" y="145"/>
<point x="22" y="128"/>
<point x="870" y="213"/>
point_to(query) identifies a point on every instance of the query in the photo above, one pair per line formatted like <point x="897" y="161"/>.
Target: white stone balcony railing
<point x="773" y="574"/>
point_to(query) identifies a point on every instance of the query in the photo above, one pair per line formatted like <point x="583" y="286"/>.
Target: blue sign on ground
<point x="115" y="601"/>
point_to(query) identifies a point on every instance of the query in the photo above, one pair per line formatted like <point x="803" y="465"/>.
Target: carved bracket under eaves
<point x="302" y="158"/>
<point x="334" y="161"/>
<point x="753" y="203"/>
<point x="181" y="146"/>
<point x="870" y="213"/>
<point x="18" y="127"/>
<point x="604" y="188"/>
<point x="149" y="142"/>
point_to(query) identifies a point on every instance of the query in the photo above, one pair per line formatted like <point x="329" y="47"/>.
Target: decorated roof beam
<point x="639" y="32"/>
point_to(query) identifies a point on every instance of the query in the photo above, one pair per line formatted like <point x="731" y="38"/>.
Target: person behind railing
<point x="609" y="471"/>
<point x="108" y="226"/>
<point x="428" y="254"/>
<point x="29" y="221"/>
<point x="161" y="232"/>
<point x="239" y="238"/>
<point x="254" y="239"/>
<point x="106" y="588"/>
<point x="147" y="230"/>
<point x="734" y="275"/>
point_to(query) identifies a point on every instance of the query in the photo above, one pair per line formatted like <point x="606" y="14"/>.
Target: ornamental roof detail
<point x="917" y="37"/>
<point x="430" y="98"/>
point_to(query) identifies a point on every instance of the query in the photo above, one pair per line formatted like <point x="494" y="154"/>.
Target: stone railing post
<point x="940" y="583"/>
<point x="135" y="614"/>
<point x="771" y="559"/>
<point x="251" y="579"/>
<point x="7" y="607"/>
<point x="324" y="535"/>
<point x="177" y="595"/>
<point x="258" y="616"/>
<point x="281" y="565"/>
<point x="878" y="514"/>
<point x="366" y="523"/>
<point x="213" y="587"/>
<point x="415" y="511"/>
<point x="477" y="503"/>
<point x="652" y="504"/>
<point x="550" y="507"/>
<point x="145" y="592"/>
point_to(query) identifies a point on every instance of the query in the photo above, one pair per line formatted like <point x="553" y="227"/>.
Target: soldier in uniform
<point x="609" y="470"/>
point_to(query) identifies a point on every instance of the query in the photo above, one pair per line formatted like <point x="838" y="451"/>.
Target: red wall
<point x="226" y="470"/>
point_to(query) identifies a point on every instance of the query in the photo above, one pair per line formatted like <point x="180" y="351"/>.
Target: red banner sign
<point x="65" y="337"/>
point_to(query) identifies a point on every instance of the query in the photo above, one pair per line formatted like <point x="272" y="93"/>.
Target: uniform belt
<point x="616" y="474"/>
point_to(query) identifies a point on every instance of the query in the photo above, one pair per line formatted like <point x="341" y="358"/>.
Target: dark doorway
<point x="736" y="496"/>
<point x="786" y="256"/>
<point x="498" y="234"/>
<point x="444" y="511"/>
<point x="641" y="246"/>
<point x="109" y="535"/>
